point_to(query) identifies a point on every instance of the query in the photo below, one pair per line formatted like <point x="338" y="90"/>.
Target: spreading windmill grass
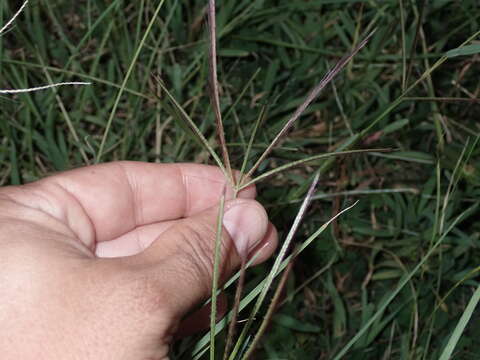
<point x="395" y="278"/>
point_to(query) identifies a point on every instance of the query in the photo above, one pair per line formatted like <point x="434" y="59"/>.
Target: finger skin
<point x="103" y="202"/>
<point x="141" y="238"/>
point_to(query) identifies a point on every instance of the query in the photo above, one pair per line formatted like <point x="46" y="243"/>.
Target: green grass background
<point x="270" y="54"/>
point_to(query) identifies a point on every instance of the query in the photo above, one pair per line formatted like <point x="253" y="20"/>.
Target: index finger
<point x="117" y="197"/>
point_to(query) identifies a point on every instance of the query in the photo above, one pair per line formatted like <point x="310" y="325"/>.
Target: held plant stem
<point x="216" y="275"/>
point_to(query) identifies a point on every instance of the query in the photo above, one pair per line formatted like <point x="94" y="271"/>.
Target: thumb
<point x="182" y="258"/>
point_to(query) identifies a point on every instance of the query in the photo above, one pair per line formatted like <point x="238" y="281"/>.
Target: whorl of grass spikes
<point x="245" y="179"/>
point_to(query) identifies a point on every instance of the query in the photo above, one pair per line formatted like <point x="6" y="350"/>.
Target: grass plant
<point x="395" y="277"/>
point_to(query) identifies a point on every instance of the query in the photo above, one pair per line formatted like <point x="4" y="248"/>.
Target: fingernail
<point x="247" y="223"/>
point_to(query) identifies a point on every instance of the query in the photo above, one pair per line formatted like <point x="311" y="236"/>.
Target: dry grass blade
<point x="10" y="22"/>
<point x="38" y="88"/>
<point x="214" y="96"/>
<point x="276" y="265"/>
<point x="313" y="94"/>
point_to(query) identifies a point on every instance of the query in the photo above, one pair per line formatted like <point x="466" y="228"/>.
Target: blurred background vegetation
<point x="271" y="53"/>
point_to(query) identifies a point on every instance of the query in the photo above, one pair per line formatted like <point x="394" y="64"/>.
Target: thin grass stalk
<point x="440" y="129"/>
<point x="124" y="82"/>
<point x="37" y="88"/>
<point x="276" y="265"/>
<point x="313" y="94"/>
<point x="442" y="99"/>
<point x="202" y="345"/>
<point x="44" y="87"/>
<point x="271" y="310"/>
<point x="216" y="275"/>
<point x="10" y="22"/>
<point x="435" y="233"/>
<point x="303" y="161"/>
<point x="235" y="309"/>
<point x="473" y="273"/>
<point x="80" y="75"/>
<point x="259" y="120"/>
<point x="340" y="107"/>
<point x="309" y="280"/>
<point x="214" y="93"/>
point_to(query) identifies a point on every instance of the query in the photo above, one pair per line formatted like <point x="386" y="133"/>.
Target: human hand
<point x="103" y="262"/>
